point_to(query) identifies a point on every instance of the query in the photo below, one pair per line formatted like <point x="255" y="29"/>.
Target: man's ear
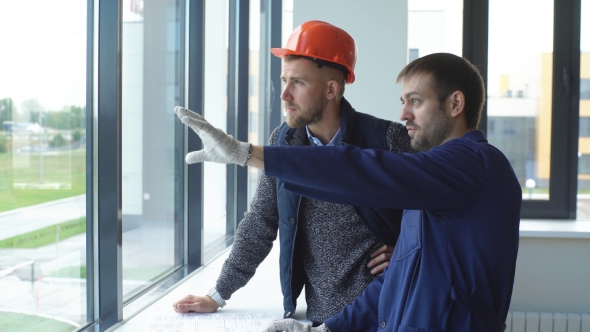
<point x="457" y="101"/>
<point x="333" y="88"/>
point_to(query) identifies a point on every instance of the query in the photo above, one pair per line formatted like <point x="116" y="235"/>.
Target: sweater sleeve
<point x="254" y="237"/>
<point x="398" y="140"/>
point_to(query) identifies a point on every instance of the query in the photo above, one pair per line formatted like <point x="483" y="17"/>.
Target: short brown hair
<point x="321" y="64"/>
<point x="450" y="73"/>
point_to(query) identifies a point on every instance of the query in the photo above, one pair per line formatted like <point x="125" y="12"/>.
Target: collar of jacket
<point x="298" y="136"/>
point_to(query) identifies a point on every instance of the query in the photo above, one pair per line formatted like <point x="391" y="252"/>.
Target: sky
<point x="43" y="52"/>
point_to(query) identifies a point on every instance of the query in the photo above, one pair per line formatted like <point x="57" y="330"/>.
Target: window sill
<point x="572" y="229"/>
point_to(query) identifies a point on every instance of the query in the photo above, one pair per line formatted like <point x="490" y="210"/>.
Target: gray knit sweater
<point x="333" y="243"/>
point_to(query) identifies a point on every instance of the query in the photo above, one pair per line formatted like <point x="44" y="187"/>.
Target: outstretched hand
<point x="218" y="146"/>
<point x="291" y="325"/>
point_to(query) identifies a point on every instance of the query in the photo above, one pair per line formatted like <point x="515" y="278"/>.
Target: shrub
<point x="3" y="143"/>
<point x="57" y="141"/>
<point x="76" y="135"/>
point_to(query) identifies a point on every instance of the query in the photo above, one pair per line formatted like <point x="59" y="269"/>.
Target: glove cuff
<point x="248" y="154"/>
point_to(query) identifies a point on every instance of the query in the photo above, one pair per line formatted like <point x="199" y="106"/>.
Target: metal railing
<point x="11" y="269"/>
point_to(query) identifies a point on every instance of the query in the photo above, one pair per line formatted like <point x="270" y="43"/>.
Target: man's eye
<point x="415" y="101"/>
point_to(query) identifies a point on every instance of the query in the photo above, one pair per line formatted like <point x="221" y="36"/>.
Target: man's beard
<point x="310" y="116"/>
<point x="437" y="131"/>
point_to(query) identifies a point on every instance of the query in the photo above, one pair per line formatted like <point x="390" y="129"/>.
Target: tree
<point x="3" y="143"/>
<point x="6" y="107"/>
<point x="78" y="115"/>
<point x="76" y="135"/>
<point x="33" y="109"/>
<point x="69" y="117"/>
<point x="58" y="120"/>
<point x="57" y="141"/>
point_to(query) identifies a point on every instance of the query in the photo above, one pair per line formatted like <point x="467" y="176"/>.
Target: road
<point x="24" y="220"/>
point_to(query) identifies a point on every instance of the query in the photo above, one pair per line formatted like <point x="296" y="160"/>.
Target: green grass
<point x="144" y="274"/>
<point x="66" y="168"/>
<point x="69" y="272"/>
<point x="140" y="274"/>
<point x="44" y="236"/>
<point x="15" y="322"/>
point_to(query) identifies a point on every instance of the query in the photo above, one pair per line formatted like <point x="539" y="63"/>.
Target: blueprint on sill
<point x="210" y="322"/>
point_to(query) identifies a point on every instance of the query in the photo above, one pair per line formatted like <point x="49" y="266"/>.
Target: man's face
<point x="428" y="124"/>
<point x="303" y="93"/>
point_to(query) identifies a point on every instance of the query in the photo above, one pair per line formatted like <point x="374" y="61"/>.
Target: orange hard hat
<point x="323" y="41"/>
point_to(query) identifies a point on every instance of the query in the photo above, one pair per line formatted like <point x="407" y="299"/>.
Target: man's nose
<point x="405" y="114"/>
<point x="286" y="94"/>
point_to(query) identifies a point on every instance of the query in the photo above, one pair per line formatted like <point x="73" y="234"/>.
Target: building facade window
<point x="585" y="88"/>
<point x="584" y="126"/>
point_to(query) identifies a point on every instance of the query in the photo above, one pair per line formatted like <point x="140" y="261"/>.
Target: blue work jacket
<point x="356" y="129"/>
<point x="454" y="263"/>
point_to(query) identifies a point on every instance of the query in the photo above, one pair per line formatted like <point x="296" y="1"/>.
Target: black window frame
<point x="565" y="100"/>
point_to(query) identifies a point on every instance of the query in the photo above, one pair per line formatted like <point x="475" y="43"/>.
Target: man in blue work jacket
<point x="454" y="262"/>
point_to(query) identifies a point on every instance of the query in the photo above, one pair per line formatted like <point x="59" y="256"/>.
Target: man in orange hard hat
<point x="319" y="59"/>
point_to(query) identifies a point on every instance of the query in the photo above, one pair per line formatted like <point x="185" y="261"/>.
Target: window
<point x="151" y="187"/>
<point x="584" y="84"/>
<point x="414" y="54"/>
<point x="75" y="81"/>
<point x="43" y="266"/>
<point x="258" y="67"/>
<point x="584" y="166"/>
<point x="216" y="112"/>
<point x="584" y="126"/>
<point x="434" y="26"/>
<point x="583" y="194"/>
<point x="518" y="100"/>
<point x="264" y="104"/>
<point x="534" y="80"/>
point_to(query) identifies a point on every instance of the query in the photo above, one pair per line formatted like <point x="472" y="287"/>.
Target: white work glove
<point x="218" y="146"/>
<point x="291" y="325"/>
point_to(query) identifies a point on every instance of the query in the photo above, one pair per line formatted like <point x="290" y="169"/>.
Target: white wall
<point x="380" y="30"/>
<point x="552" y="275"/>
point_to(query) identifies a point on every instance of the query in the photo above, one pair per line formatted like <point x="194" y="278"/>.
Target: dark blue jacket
<point x="357" y="129"/>
<point x="454" y="263"/>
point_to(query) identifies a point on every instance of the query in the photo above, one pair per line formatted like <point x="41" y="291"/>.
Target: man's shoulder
<point x="272" y="140"/>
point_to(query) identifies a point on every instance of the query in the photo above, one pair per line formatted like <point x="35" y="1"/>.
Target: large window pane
<point x="259" y="67"/>
<point x="215" y="111"/>
<point x="583" y="211"/>
<point x="519" y="89"/>
<point x="42" y="165"/>
<point x="151" y="197"/>
<point x="434" y="26"/>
